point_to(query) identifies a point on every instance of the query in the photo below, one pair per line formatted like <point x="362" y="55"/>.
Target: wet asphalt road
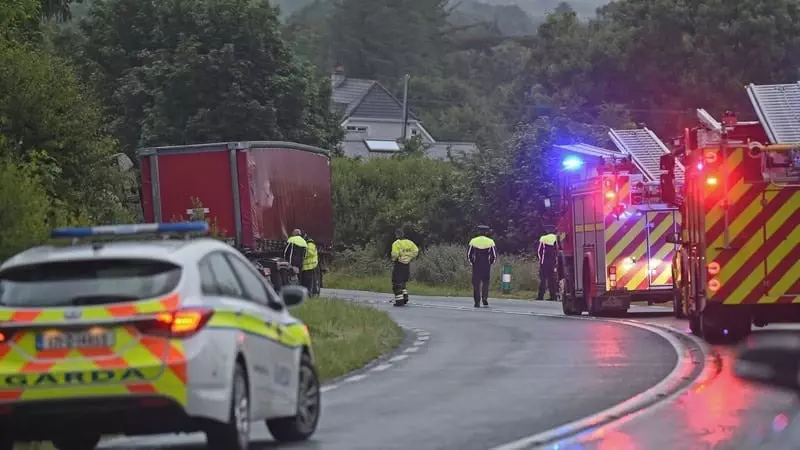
<point x="482" y="379"/>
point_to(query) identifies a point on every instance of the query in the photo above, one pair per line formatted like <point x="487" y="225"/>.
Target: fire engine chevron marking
<point x="740" y="274"/>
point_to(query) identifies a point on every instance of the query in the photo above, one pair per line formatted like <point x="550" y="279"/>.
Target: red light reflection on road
<point x="711" y="410"/>
<point x="616" y="440"/>
<point x="606" y="348"/>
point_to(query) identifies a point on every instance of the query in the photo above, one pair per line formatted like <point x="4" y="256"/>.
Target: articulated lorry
<point x="253" y="193"/>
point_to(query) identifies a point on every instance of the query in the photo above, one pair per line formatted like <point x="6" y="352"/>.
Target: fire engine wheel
<point x="715" y="329"/>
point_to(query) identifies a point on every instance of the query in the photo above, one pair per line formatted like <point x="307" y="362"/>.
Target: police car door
<point x="276" y="359"/>
<point x="236" y="298"/>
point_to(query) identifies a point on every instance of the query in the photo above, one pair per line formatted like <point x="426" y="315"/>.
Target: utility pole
<point x="405" y="106"/>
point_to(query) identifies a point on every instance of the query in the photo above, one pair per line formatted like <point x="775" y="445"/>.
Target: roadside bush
<point x="24" y="209"/>
<point x="439" y="265"/>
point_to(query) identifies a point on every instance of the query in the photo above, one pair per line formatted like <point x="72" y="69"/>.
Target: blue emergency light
<point x="572" y="163"/>
<point x="132" y="229"/>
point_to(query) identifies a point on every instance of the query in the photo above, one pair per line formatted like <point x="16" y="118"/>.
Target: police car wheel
<point x="301" y="426"/>
<point x="77" y="442"/>
<point x="235" y="434"/>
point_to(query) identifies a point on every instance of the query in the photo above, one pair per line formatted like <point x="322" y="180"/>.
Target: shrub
<point x="439" y="265"/>
<point x="24" y="209"/>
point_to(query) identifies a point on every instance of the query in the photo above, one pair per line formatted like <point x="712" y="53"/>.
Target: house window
<point x="414" y="132"/>
<point x="356" y="129"/>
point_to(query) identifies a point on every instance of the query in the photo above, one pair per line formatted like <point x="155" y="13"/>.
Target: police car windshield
<point x="93" y="282"/>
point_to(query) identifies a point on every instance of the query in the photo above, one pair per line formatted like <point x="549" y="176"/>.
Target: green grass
<point x="345" y="336"/>
<point x="382" y="283"/>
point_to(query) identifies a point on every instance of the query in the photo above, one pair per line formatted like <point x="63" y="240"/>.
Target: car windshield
<point x="75" y="283"/>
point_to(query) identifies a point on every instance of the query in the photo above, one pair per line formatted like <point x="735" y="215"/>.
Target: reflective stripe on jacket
<point x="482" y="252"/>
<point x="311" y="259"/>
<point x="403" y="251"/>
<point x="295" y="251"/>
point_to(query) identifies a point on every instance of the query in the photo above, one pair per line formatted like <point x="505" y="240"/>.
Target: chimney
<point x="338" y="77"/>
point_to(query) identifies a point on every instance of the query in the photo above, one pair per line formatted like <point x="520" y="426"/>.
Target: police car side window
<point x="208" y="282"/>
<point x="253" y="286"/>
<point x="226" y="282"/>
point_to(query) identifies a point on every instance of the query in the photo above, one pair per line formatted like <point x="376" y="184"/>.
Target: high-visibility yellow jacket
<point x="311" y="259"/>
<point x="403" y="251"/>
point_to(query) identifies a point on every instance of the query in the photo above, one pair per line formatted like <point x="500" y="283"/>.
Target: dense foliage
<point x="152" y="72"/>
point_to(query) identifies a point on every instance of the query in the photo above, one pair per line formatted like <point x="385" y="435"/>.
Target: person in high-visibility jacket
<point x="548" y="254"/>
<point x="482" y="254"/>
<point x="295" y="251"/>
<point x="308" y="277"/>
<point x="403" y="252"/>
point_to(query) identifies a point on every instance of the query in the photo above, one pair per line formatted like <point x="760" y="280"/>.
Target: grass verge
<point x="345" y="337"/>
<point x="382" y="283"/>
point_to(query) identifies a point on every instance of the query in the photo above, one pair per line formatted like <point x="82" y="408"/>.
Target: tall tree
<point x="383" y="39"/>
<point x="190" y="71"/>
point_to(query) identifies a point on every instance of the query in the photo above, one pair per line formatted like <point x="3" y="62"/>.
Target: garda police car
<point x="149" y="337"/>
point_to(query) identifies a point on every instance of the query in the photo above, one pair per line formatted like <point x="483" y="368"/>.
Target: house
<point x="373" y="121"/>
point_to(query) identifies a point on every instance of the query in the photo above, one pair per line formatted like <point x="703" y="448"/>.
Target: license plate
<point x="56" y="340"/>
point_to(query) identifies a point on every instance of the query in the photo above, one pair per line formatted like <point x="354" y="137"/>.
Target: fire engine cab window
<point x="226" y="282"/>
<point x="253" y="286"/>
<point x="94" y="282"/>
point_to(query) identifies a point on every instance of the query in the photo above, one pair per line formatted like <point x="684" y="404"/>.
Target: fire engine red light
<point x="712" y="181"/>
<point x="711" y="157"/>
<point x="713" y="285"/>
<point x="713" y="268"/>
<point x="610" y="194"/>
<point x="699" y="166"/>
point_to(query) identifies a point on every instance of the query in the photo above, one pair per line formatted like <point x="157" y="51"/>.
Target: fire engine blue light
<point x="572" y="163"/>
<point x="131" y="229"/>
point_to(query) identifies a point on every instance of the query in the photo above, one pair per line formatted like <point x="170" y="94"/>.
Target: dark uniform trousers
<point x="400" y="275"/>
<point x="547" y="280"/>
<point x="480" y="283"/>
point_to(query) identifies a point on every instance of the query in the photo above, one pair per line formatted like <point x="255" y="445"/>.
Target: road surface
<point x="478" y="379"/>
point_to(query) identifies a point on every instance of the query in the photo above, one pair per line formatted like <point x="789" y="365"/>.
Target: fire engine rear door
<point x="660" y="223"/>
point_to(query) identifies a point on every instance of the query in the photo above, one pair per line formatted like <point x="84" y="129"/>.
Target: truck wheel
<point x="591" y="302"/>
<point x="234" y="434"/>
<point x="302" y="425"/>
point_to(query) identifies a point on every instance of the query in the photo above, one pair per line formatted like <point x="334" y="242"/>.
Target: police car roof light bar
<point x="131" y="230"/>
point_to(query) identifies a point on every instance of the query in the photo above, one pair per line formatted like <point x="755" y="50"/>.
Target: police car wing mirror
<point x="674" y="238"/>
<point x="771" y="358"/>
<point x="293" y="295"/>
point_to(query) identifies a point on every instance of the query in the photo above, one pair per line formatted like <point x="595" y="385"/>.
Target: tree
<point x="384" y="39"/>
<point x="24" y="208"/>
<point x="191" y="71"/>
<point x="48" y="118"/>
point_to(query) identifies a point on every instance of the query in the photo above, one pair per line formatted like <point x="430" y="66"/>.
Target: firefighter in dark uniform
<point x="403" y="252"/>
<point x="294" y="253"/>
<point x="548" y="254"/>
<point x="482" y="254"/>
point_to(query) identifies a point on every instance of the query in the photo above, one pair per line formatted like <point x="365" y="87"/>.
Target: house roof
<point x="356" y="97"/>
<point x="437" y="150"/>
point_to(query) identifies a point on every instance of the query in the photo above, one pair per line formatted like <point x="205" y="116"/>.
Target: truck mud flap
<point x="612" y="302"/>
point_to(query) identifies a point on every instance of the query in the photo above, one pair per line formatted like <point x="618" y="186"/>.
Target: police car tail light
<point x="182" y="323"/>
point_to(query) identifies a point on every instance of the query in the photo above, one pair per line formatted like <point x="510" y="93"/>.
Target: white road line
<point x="418" y="343"/>
<point x="423" y="338"/>
<point x="411" y="350"/>
<point x="381" y="367"/>
<point x="355" y="378"/>
<point x="329" y="388"/>
<point x="398" y="358"/>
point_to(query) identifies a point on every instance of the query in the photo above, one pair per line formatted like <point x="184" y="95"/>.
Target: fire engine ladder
<point x="778" y="109"/>
<point x="645" y="149"/>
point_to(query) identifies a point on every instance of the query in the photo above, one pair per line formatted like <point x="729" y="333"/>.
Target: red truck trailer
<point x="255" y="192"/>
